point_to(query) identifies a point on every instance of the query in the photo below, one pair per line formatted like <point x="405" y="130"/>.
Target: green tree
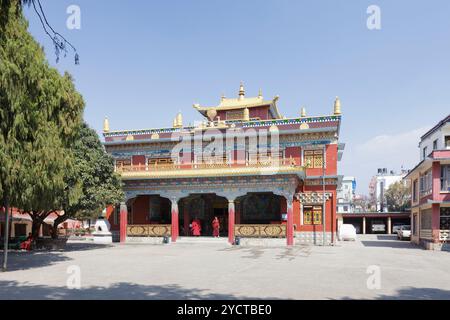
<point x="92" y="184"/>
<point x="398" y="196"/>
<point x="39" y="117"/>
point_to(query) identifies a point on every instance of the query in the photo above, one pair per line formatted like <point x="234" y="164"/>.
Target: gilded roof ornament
<point x="337" y="106"/>
<point x="303" y="112"/>
<point x="106" y="125"/>
<point x="241" y="91"/>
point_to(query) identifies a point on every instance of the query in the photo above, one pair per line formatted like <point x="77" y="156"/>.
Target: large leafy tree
<point x="40" y="113"/>
<point x="398" y="196"/>
<point x="92" y="184"/>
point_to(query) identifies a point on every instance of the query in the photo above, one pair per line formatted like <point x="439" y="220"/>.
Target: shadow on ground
<point x="13" y="290"/>
<point x="36" y="259"/>
<point x="389" y="244"/>
<point x="23" y="260"/>
<point x="413" y="293"/>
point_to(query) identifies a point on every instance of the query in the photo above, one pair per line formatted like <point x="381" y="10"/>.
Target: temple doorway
<point x="203" y="208"/>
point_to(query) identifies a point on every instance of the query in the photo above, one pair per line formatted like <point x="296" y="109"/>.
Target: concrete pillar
<point x="364" y="226"/>
<point x="389" y="225"/>
<point x="290" y="223"/>
<point x="123" y="222"/>
<point x="435" y="222"/>
<point x="174" y="224"/>
<point x="231" y="221"/>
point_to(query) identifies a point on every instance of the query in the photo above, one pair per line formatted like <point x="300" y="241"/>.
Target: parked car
<point x="396" y="227"/>
<point x="404" y="233"/>
<point x="347" y="232"/>
<point x="378" y="226"/>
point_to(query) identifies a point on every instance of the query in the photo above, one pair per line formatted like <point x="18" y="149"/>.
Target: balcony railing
<point x="210" y="166"/>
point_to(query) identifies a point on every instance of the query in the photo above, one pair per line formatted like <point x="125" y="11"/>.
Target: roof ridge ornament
<point x="106" y="125"/>
<point x="241" y="91"/>
<point x="303" y="112"/>
<point x="337" y="107"/>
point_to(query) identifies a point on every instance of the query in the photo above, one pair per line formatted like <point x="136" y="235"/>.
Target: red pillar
<point x="290" y="223"/>
<point x="231" y="217"/>
<point x="123" y="222"/>
<point x="174" y="220"/>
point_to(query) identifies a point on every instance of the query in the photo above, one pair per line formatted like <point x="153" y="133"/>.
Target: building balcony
<point x="208" y="169"/>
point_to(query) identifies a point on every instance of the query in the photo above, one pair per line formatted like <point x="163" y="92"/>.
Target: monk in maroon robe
<point x="216" y="227"/>
<point x="196" y="228"/>
<point x="26" y="245"/>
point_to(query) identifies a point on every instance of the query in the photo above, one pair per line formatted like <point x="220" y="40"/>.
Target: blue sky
<point x="143" y="61"/>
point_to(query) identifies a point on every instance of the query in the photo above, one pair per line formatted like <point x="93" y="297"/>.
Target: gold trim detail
<point x="149" y="230"/>
<point x="260" y="230"/>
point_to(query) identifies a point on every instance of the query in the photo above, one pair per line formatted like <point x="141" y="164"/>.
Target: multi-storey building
<point x="430" y="188"/>
<point x="378" y="186"/>
<point x="261" y="174"/>
<point x="346" y="195"/>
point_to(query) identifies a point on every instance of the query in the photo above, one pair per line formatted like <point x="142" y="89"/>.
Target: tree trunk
<point x="35" y="227"/>
<point x="56" y="223"/>
<point x="6" y="236"/>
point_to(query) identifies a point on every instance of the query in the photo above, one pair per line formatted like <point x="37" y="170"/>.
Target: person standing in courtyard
<point x="216" y="227"/>
<point x="196" y="228"/>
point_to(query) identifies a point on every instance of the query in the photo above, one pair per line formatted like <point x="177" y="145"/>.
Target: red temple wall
<point x="295" y="153"/>
<point x="138" y="160"/>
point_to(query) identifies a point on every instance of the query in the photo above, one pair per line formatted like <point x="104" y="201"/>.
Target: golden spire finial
<point x="260" y="94"/>
<point x="303" y="112"/>
<point x="179" y="119"/>
<point x="223" y="97"/>
<point x="337" y="106"/>
<point x="106" y="125"/>
<point x="241" y="91"/>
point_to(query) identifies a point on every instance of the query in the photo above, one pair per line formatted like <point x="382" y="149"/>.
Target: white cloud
<point x="383" y="151"/>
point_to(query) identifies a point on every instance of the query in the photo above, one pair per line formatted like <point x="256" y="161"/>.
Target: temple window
<point x="314" y="159"/>
<point x="447" y="142"/>
<point x="121" y="163"/>
<point x="312" y="215"/>
<point x="160" y="161"/>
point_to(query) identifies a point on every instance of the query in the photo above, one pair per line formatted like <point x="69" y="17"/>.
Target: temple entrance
<point x="203" y="208"/>
<point x="260" y="208"/>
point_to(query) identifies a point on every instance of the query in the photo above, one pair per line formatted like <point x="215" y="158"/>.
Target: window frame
<point x="312" y="215"/>
<point x="312" y="158"/>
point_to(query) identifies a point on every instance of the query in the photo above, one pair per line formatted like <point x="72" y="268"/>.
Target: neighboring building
<point x="430" y="188"/>
<point x="21" y="224"/>
<point x="378" y="186"/>
<point x="261" y="174"/>
<point x="375" y="222"/>
<point x="346" y="194"/>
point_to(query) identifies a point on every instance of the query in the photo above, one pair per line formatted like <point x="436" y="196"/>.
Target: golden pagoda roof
<point x="242" y="102"/>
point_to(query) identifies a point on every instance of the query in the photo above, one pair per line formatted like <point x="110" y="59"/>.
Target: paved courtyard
<point x="217" y="271"/>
